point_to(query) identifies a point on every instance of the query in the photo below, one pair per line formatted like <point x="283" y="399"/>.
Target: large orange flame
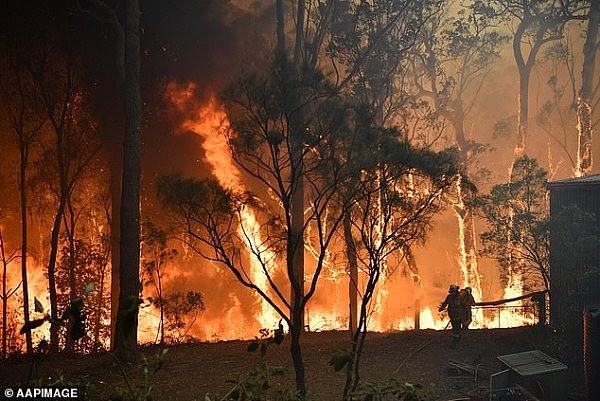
<point x="395" y="300"/>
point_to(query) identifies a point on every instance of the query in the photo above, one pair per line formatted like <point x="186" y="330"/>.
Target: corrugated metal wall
<point x="567" y="297"/>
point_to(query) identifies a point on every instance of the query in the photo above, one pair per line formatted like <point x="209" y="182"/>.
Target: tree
<point x="126" y="333"/>
<point x="87" y="249"/>
<point x="155" y="256"/>
<point x="283" y="134"/>
<point x="517" y="216"/>
<point x="88" y="258"/>
<point x="537" y="22"/>
<point x="553" y="115"/>
<point x="399" y="191"/>
<point x="66" y="158"/>
<point x="369" y="45"/>
<point x="176" y="307"/>
<point x="451" y="63"/>
<point x="26" y="120"/>
<point x="221" y="222"/>
<point x="128" y="57"/>
<point x="6" y="292"/>
<point x="587" y="93"/>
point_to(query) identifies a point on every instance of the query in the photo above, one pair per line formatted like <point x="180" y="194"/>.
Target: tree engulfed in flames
<point x="394" y="308"/>
<point x="238" y="318"/>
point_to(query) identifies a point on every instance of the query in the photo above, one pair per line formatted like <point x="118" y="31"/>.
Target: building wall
<point x="569" y="270"/>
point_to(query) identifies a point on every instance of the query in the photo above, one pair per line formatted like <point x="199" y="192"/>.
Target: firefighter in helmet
<point x="466" y="302"/>
<point x="453" y="302"/>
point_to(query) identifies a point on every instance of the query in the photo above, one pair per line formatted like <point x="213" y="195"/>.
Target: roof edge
<point x="588" y="180"/>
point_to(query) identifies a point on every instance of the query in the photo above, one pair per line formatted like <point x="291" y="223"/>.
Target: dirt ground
<point x="192" y="370"/>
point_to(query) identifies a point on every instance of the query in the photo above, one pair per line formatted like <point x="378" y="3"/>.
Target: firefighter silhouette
<point x="455" y="309"/>
<point x="466" y="302"/>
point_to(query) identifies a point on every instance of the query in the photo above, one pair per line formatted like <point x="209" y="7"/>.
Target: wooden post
<point x="417" y="314"/>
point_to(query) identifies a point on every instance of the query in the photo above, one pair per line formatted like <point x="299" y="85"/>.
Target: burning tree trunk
<point x="457" y="54"/>
<point x="584" y="102"/>
<point x="524" y="68"/>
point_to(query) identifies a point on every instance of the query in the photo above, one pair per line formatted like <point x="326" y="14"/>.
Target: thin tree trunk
<point x="115" y="158"/>
<point x="280" y="28"/>
<point x="70" y="230"/>
<point x="295" y="246"/>
<point x="296" y="330"/>
<point x="296" y="123"/>
<point x="54" y="342"/>
<point x="99" y="305"/>
<point x="127" y="315"/>
<point x="359" y="335"/>
<point x="23" y="195"/>
<point x="353" y="273"/>
<point x="4" y="296"/>
<point x="299" y="33"/>
<point x="584" y="110"/>
<point x="162" y="314"/>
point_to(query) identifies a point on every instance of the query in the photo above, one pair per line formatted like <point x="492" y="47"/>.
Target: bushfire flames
<point x="394" y="306"/>
<point x="399" y="301"/>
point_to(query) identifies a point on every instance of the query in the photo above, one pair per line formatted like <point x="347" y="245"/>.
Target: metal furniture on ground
<point x="540" y="374"/>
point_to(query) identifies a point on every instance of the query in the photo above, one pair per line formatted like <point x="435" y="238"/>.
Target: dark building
<point x="574" y="250"/>
<point x="575" y="273"/>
